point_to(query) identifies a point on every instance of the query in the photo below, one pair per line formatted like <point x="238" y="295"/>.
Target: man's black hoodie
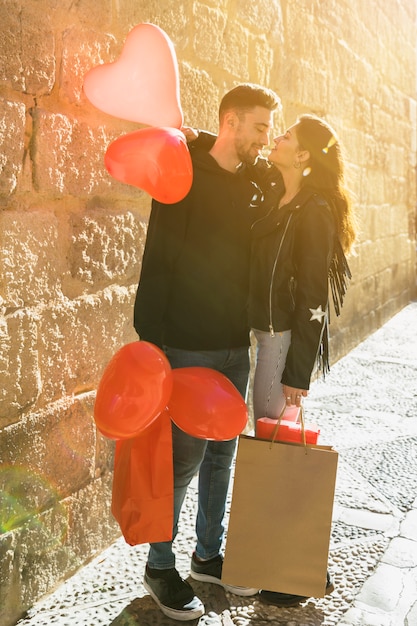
<point x="193" y="288"/>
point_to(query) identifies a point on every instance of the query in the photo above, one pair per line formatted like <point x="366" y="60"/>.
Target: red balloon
<point x="143" y="84"/>
<point x="206" y="404"/>
<point x="156" y="160"/>
<point x="133" y="391"/>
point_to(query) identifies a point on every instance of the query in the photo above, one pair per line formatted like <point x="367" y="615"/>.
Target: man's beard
<point x="246" y="157"/>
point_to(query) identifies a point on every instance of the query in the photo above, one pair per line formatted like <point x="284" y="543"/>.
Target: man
<point x="191" y="301"/>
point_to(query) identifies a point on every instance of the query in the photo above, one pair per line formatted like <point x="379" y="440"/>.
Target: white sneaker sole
<point x="177" y="614"/>
<point x="237" y="591"/>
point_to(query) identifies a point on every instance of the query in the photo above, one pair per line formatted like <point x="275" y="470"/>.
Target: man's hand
<point x="190" y="133"/>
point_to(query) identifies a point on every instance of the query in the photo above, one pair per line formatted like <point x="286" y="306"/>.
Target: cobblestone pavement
<point x="367" y="409"/>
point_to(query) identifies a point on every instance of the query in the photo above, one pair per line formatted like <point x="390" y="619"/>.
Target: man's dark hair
<point x="247" y="96"/>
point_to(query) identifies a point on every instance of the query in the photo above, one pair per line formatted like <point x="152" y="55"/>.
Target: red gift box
<point x="287" y="431"/>
<point x="291" y="414"/>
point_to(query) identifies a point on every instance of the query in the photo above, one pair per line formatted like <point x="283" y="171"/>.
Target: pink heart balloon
<point x="142" y="85"/>
<point x="156" y="160"/>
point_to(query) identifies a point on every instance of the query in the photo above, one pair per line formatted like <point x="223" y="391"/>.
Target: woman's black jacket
<point x="292" y="251"/>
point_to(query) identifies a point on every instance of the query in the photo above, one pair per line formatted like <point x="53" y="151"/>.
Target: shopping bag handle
<point x="279" y="422"/>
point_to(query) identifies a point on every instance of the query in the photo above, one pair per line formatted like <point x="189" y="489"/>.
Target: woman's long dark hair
<point x="324" y="172"/>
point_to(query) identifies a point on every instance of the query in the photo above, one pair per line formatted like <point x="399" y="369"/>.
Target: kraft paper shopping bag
<point x="280" y="519"/>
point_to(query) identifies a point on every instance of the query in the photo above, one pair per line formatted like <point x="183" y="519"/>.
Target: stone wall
<point x="71" y="237"/>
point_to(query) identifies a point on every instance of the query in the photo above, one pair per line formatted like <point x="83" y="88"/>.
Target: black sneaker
<point x="174" y="596"/>
<point x="287" y="599"/>
<point x="211" y="572"/>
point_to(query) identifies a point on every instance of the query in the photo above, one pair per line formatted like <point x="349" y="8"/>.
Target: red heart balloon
<point x="133" y="391"/>
<point x="205" y="404"/>
<point x="143" y="84"/>
<point x="156" y="160"/>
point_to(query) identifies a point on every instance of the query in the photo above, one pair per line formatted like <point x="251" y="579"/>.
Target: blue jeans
<point x="212" y="459"/>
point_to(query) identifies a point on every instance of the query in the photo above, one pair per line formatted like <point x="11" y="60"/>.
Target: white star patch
<point x="317" y="314"/>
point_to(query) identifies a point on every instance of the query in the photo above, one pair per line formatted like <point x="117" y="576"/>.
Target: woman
<point x="297" y="247"/>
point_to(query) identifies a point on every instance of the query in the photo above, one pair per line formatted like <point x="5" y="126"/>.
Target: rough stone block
<point x="87" y="13"/>
<point x="261" y="62"/>
<point x="383" y="589"/>
<point x="409" y="526"/>
<point x="46" y="457"/>
<point x="89" y="507"/>
<point x="52" y="545"/>
<point x="204" y="113"/>
<point x="209" y="27"/>
<point x="234" y="56"/>
<point x="27" y="48"/>
<point x="78" y="337"/>
<point x="401" y="552"/>
<point x="175" y="18"/>
<point x="30" y="257"/>
<point x="10" y="586"/>
<point x="263" y="16"/>
<point x="19" y="366"/>
<point x="376" y="187"/>
<point x="94" y="259"/>
<point x="314" y="90"/>
<point x="68" y="155"/>
<point x="83" y="50"/>
<point x="12" y="135"/>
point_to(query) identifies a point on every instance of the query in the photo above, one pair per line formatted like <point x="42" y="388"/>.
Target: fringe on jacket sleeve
<point x="339" y="276"/>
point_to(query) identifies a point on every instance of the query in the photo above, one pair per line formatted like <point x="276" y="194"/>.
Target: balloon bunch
<point x="138" y="385"/>
<point x="142" y="86"/>
<point x="138" y="398"/>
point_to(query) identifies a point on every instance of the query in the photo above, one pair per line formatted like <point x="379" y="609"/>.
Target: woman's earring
<point x="306" y="171"/>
